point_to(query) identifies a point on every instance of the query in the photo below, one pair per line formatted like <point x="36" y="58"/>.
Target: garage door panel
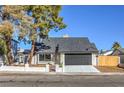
<point x="77" y="59"/>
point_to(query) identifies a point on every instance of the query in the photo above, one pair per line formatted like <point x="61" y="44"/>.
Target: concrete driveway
<point x="80" y="68"/>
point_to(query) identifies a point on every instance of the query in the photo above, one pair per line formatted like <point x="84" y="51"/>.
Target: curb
<point x="58" y="73"/>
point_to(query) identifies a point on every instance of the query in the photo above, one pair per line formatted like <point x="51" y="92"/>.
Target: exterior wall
<point x="121" y="59"/>
<point x="56" y="58"/>
<point x="62" y="58"/>
<point x="62" y="61"/>
<point x="94" y="59"/>
<point x="34" y="59"/>
<point x="37" y="58"/>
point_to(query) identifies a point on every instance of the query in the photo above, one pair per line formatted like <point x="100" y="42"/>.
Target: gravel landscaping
<point x="109" y="69"/>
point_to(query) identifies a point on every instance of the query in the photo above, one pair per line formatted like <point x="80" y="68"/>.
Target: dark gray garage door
<point x="78" y="59"/>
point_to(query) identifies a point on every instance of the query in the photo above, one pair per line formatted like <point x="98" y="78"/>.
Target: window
<point x="47" y="57"/>
<point x="44" y="57"/>
<point x="41" y="57"/>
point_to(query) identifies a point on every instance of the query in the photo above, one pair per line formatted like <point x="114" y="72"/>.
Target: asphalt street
<point x="39" y="80"/>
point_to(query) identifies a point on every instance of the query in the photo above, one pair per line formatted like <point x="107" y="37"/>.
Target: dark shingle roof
<point x="69" y="45"/>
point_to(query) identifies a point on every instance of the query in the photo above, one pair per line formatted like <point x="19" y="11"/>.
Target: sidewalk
<point x="58" y="73"/>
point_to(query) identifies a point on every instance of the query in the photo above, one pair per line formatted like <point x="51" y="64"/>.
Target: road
<point x="40" y="80"/>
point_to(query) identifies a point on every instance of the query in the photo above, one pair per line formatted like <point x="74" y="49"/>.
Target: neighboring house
<point x="120" y="53"/>
<point x="66" y="51"/>
<point x="106" y="53"/>
<point x="22" y="55"/>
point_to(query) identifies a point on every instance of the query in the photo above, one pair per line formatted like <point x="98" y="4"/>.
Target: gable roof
<point x="119" y="51"/>
<point x="69" y="45"/>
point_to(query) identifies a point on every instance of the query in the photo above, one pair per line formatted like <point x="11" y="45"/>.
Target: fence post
<point x="119" y="60"/>
<point x="97" y="60"/>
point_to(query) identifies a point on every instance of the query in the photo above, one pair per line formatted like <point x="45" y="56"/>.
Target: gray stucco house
<point x="66" y="51"/>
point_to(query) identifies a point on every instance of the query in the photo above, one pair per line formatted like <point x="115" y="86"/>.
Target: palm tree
<point x="116" y="45"/>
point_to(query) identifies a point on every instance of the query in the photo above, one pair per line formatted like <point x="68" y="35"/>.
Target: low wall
<point x="32" y="69"/>
<point x="15" y="68"/>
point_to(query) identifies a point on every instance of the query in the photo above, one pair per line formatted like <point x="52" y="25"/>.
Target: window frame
<point x="45" y="58"/>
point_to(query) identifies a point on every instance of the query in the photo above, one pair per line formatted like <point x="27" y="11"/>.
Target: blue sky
<point x="101" y="24"/>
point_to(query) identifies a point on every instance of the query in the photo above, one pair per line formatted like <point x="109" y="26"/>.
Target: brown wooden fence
<point x="108" y="60"/>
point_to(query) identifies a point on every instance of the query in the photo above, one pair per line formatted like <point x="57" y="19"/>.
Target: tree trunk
<point x="10" y="58"/>
<point x="31" y="52"/>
